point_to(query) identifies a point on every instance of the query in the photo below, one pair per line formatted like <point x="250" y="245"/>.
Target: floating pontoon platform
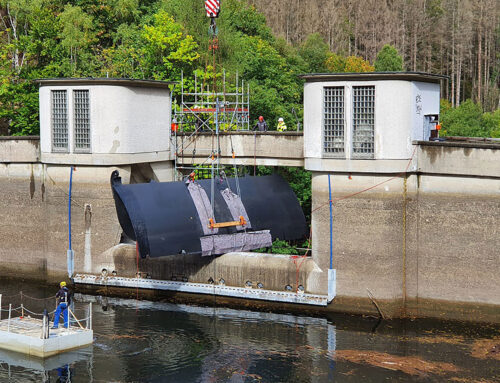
<point x="24" y="335"/>
<point x="203" y="288"/>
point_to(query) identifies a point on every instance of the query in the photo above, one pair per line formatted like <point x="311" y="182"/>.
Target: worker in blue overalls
<point x="63" y="297"/>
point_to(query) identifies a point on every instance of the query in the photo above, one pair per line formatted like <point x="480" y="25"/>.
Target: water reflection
<point x="141" y="341"/>
<point x="203" y="344"/>
<point x="18" y="367"/>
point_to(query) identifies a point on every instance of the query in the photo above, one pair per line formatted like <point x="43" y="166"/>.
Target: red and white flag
<point x="212" y="7"/>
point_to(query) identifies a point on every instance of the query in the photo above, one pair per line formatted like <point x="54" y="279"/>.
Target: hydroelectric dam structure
<point x="398" y="214"/>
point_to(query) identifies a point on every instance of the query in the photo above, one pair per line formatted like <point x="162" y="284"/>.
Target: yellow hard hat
<point x="62" y="284"/>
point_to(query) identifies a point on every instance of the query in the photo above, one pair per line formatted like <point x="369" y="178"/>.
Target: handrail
<point x="45" y="315"/>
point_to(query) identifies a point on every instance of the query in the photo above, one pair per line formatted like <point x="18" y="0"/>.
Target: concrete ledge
<point x="19" y="149"/>
<point x="359" y="166"/>
<point x="463" y="142"/>
<point x="457" y="158"/>
<point x="104" y="159"/>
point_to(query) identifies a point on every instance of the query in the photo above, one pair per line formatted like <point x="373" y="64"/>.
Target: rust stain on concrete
<point x="32" y="183"/>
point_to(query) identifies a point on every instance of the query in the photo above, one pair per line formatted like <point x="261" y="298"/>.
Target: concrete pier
<point x="24" y="335"/>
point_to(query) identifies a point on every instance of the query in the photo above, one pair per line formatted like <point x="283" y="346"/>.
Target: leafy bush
<point x="468" y="120"/>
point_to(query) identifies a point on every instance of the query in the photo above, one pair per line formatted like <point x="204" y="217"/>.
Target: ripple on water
<point x="159" y="342"/>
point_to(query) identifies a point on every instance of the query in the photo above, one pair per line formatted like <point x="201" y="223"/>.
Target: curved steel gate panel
<point x="164" y="220"/>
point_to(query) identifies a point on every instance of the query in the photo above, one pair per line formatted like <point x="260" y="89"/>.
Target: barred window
<point x="82" y="120"/>
<point x="363" y="133"/>
<point x="59" y="121"/>
<point x="333" y="122"/>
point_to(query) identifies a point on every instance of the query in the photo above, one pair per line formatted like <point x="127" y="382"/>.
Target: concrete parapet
<point x="263" y="148"/>
<point x="19" y="149"/>
<point x="459" y="158"/>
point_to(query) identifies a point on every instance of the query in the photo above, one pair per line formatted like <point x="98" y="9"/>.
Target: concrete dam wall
<point x="424" y="244"/>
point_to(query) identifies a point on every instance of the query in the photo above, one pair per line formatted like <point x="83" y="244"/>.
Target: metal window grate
<point x="363" y="134"/>
<point x="333" y="122"/>
<point x="82" y="120"/>
<point x="59" y="120"/>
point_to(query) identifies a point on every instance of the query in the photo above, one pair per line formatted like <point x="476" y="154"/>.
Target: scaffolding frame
<point x="208" y="111"/>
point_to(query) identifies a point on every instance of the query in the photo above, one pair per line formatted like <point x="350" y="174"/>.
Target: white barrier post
<point x="44" y="323"/>
<point x="8" y="323"/>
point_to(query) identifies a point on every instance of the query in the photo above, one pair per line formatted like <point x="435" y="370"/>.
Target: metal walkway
<point x="204" y="288"/>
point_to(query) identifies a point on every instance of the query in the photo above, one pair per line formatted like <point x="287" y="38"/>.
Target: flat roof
<point x="374" y="76"/>
<point x="105" y="81"/>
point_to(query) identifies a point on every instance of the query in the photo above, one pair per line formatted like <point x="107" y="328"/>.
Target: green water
<point x="142" y="341"/>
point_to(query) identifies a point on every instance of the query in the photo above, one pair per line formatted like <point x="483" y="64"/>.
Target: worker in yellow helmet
<point x="63" y="298"/>
<point x="281" y="125"/>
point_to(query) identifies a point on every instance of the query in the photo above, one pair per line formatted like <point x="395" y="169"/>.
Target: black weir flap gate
<point x="167" y="218"/>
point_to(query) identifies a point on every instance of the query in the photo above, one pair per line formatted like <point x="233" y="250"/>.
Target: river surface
<point x="142" y="341"/>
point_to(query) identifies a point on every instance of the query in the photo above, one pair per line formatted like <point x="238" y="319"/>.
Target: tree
<point x="388" y="60"/>
<point x="335" y="63"/>
<point x="356" y="64"/>
<point x="165" y="48"/>
<point x="159" y="50"/>
<point x="457" y="38"/>
<point x="76" y="33"/>
<point x="314" y="51"/>
<point x="351" y="64"/>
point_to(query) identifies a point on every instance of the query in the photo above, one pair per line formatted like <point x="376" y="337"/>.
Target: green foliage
<point x="144" y="39"/>
<point x="352" y="64"/>
<point x="356" y="64"/>
<point x="283" y="247"/>
<point x="491" y="121"/>
<point x="279" y="247"/>
<point x="245" y="19"/>
<point x="165" y="50"/>
<point x="468" y="120"/>
<point x="388" y="60"/>
<point x="19" y="102"/>
<point x="315" y="52"/>
<point x="76" y="34"/>
<point x="335" y="63"/>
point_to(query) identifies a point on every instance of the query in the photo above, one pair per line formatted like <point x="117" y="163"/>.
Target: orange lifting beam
<point x="212" y="224"/>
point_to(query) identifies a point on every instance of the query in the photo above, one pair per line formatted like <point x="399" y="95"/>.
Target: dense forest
<point x="269" y="43"/>
<point x="458" y="38"/>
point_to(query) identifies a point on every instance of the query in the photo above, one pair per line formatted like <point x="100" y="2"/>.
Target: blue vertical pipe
<point x="331" y="222"/>
<point x="69" y="206"/>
